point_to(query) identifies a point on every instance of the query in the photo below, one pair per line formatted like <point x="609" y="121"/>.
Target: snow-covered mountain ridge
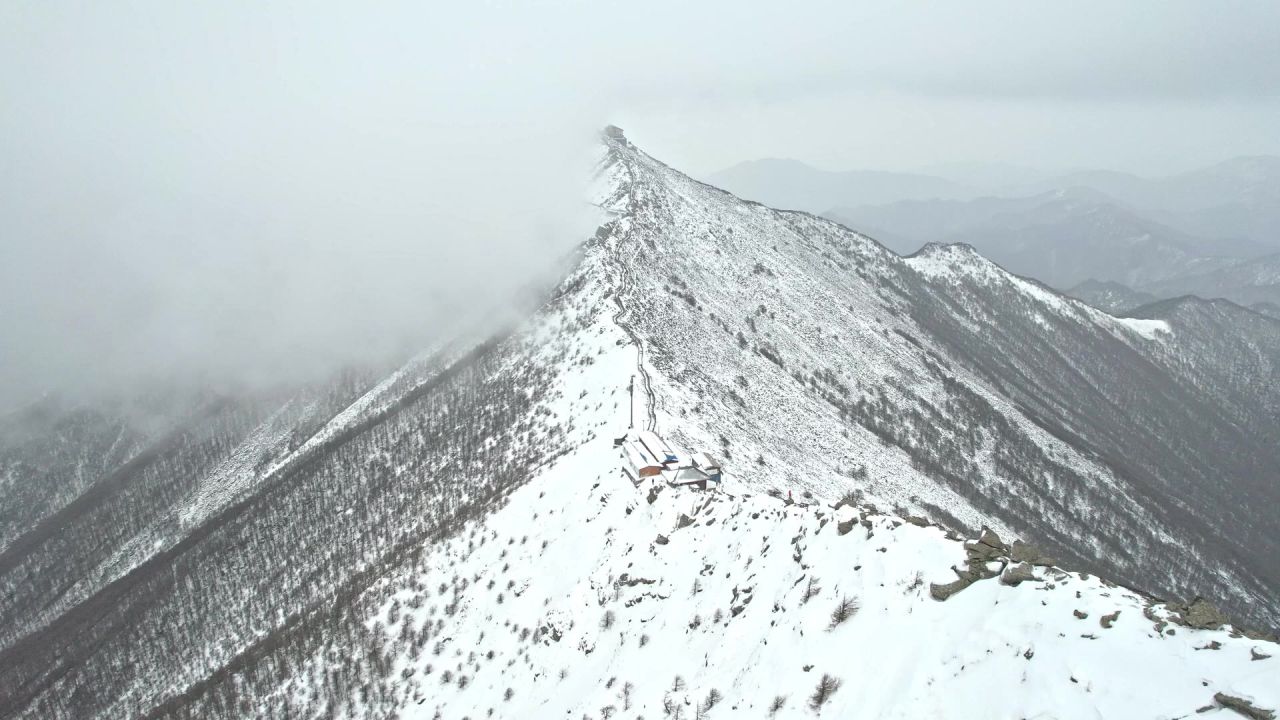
<point x="951" y="388"/>
<point x="423" y="542"/>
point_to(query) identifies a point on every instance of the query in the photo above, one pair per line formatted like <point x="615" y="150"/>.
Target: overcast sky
<point x="248" y="187"/>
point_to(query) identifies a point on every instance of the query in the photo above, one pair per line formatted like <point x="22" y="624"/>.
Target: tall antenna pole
<point x="631" y="389"/>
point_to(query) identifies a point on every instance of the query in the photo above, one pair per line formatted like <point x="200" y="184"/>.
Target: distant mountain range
<point x="1061" y="237"/>
<point x="1236" y="199"/>
<point x="1252" y="283"/>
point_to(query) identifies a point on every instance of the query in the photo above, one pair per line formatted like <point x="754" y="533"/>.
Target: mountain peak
<point x="943" y="259"/>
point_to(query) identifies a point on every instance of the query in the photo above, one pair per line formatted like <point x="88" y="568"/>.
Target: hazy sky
<point x="248" y="187"/>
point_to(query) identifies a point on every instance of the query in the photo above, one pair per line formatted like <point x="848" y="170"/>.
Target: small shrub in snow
<point x="712" y="699"/>
<point x="847" y="608"/>
<point x="916" y="583"/>
<point x="827" y="687"/>
<point x="811" y="589"/>
<point x="779" y="702"/>
<point x="607" y="620"/>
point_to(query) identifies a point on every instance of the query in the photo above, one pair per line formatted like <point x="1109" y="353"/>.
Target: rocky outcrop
<point x="1017" y="574"/>
<point x="942" y="592"/>
<point x="1200" y="614"/>
<point x="987" y="547"/>
<point x="1027" y="553"/>
<point x="1109" y="619"/>
<point x="1244" y="707"/>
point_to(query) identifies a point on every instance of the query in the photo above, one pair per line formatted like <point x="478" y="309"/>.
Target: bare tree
<point x="627" y="690"/>
<point x="821" y="694"/>
<point x="712" y="699"/>
<point x="811" y="589"/>
<point x="847" y="608"/>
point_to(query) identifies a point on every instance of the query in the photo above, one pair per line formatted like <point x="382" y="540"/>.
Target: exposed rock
<point x="942" y="592"/>
<point x="662" y="540"/>
<point x="1080" y="614"/>
<point x="1244" y="707"/>
<point x="653" y="495"/>
<point x="844" y="527"/>
<point x="1149" y="613"/>
<point x="987" y="547"/>
<point x="1107" y="620"/>
<point x="626" y="579"/>
<point x="917" y="521"/>
<point x="1017" y="574"/>
<point x="1028" y="553"/>
<point x="979" y="552"/>
<point x="1254" y="654"/>
<point x="991" y="539"/>
<point x="1213" y="645"/>
<point x="987" y="570"/>
<point x="684" y="521"/>
<point x="1202" y="615"/>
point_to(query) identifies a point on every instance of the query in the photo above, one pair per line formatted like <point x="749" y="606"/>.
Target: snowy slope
<point x="583" y="594"/>
<point x="588" y="595"/>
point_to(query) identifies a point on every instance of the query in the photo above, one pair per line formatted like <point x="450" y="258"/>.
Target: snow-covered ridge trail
<point x="586" y="596"/>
